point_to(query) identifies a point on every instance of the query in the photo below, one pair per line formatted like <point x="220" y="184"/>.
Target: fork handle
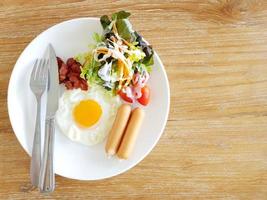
<point x="47" y="176"/>
<point x="36" y="148"/>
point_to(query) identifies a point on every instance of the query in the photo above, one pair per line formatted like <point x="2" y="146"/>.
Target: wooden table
<point x="215" y="142"/>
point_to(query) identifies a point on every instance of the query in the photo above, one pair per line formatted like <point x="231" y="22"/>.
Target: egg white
<point x="96" y="133"/>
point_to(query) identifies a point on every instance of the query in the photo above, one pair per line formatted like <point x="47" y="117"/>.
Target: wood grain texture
<point x="215" y="142"/>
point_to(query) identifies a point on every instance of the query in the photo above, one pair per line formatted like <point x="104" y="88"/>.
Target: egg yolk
<point x="87" y="113"/>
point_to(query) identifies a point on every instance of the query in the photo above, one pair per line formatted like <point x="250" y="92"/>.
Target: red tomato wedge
<point x="124" y="97"/>
<point x="144" y="99"/>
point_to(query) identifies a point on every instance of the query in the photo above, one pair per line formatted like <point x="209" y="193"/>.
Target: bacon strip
<point x="69" y="74"/>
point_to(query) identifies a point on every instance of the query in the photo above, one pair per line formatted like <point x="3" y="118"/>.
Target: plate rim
<point x="11" y="80"/>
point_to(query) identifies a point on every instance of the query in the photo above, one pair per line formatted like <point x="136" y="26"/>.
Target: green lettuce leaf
<point x="105" y="21"/>
<point x="123" y="25"/>
<point x="90" y="68"/>
<point x="97" y="37"/>
<point x="120" y="15"/>
<point x="125" y="30"/>
<point x="148" y="60"/>
<point x="148" y="68"/>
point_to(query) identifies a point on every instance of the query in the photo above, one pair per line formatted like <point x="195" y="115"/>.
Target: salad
<point x="120" y="61"/>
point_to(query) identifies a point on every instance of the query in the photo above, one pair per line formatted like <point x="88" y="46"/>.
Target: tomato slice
<point x="144" y="99"/>
<point x="124" y="97"/>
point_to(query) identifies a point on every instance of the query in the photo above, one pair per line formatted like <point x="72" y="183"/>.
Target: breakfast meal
<point x="102" y="84"/>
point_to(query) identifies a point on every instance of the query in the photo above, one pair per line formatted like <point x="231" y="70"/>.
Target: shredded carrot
<point x="120" y="69"/>
<point x="104" y="51"/>
<point x="125" y="42"/>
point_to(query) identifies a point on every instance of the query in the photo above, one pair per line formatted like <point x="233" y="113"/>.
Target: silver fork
<point x="38" y="85"/>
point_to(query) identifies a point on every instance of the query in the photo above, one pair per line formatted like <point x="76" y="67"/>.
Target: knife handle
<point x="47" y="176"/>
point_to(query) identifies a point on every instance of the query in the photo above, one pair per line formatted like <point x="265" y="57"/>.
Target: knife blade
<point x="47" y="176"/>
<point x="53" y="84"/>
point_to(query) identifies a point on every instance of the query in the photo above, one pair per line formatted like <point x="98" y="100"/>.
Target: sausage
<point x="117" y="130"/>
<point x="76" y="68"/>
<point x="63" y="69"/>
<point x="131" y="133"/>
<point x="73" y="78"/>
<point x="70" y="73"/>
<point x="69" y="85"/>
<point x="70" y="62"/>
<point x="84" y="85"/>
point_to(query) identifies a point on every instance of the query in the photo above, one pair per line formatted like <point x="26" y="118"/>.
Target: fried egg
<point x="86" y="116"/>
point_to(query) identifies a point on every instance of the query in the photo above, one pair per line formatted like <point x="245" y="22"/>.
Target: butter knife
<point x="47" y="176"/>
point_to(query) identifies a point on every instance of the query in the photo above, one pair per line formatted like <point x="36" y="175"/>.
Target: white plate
<point x="74" y="160"/>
